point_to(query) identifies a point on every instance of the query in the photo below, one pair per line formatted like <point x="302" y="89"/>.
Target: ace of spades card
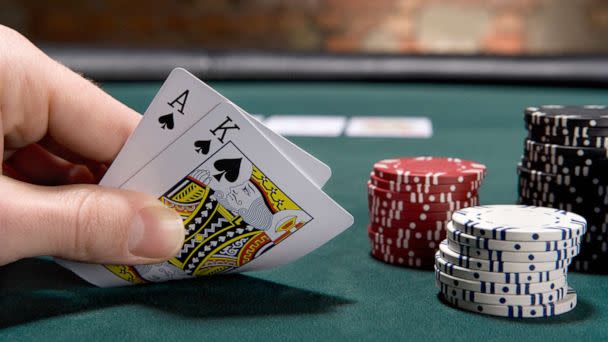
<point x="245" y="206"/>
<point x="180" y="102"/>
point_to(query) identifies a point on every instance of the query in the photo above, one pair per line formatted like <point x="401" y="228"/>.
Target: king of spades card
<point x="232" y="214"/>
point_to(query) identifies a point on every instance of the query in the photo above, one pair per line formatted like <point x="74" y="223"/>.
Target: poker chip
<point x="564" y="166"/>
<point x="598" y="226"/>
<point x="588" y="193"/>
<point x="500" y="258"/>
<point x="415" y="226"/>
<point x="413" y="230"/>
<point x="551" y="195"/>
<point x="498" y="266"/>
<point x="568" y="303"/>
<point x="423" y="188"/>
<point x="502" y="299"/>
<point x="401" y="261"/>
<point x="420" y="197"/>
<point x="598" y="142"/>
<point x="429" y="170"/>
<point x="487" y="254"/>
<point x="508" y="246"/>
<point x="378" y="205"/>
<point x="497" y="277"/>
<point x="406" y="238"/>
<point x="590" y="265"/>
<point x="537" y="132"/>
<point x="426" y="253"/>
<point x="598" y="252"/>
<point x="554" y="150"/>
<point x="403" y="220"/>
<point x="411" y="200"/>
<point x="547" y="185"/>
<point x="561" y="179"/>
<point x="425" y="247"/>
<point x="598" y="234"/>
<point x="588" y="212"/>
<point x="499" y="288"/>
<point x="589" y="206"/>
<point x="406" y="244"/>
<point x="412" y="215"/>
<point x="559" y="165"/>
<point x="519" y="223"/>
<point x="569" y="135"/>
<point x="567" y="116"/>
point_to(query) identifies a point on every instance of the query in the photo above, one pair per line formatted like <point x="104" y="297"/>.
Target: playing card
<point x="389" y="127"/>
<point x="180" y="102"/>
<point x="245" y="206"/>
<point x="307" y="125"/>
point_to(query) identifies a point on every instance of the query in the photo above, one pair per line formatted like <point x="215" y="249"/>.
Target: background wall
<point x="503" y="27"/>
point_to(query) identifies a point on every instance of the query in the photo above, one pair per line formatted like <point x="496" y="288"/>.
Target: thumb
<point x="85" y="223"/>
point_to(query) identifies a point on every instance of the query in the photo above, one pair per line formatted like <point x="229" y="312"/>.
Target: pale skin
<point x="60" y="134"/>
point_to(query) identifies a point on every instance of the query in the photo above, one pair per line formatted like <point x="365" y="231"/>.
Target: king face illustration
<point x="232" y="214"/>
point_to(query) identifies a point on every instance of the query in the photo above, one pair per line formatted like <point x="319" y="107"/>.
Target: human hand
<point x="61" y="131"/>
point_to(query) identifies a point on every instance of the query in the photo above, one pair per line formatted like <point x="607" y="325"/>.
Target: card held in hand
<point x="180" y="102"/>
<point x="245" y="206"/>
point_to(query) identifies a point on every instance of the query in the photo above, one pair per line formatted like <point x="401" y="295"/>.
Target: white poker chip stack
<point x="509" y="260"/>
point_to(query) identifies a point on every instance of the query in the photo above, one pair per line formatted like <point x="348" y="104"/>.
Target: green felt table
<point x="338" y="291"/>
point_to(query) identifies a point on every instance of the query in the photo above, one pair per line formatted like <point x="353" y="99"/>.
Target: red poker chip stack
<point x="411" y="201"/>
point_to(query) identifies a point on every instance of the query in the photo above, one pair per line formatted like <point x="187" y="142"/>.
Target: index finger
<point x="41" y="97"/>
<point x="85" y="119"/>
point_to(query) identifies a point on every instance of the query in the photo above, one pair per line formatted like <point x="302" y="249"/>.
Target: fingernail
<point x="79" y="174"/>
<point x="156" y="232"/>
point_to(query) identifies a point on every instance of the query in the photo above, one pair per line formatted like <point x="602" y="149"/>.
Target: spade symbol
<point x="229" y="168"/>
<point x="202" y="146"/>
<point x="166" y="121"/>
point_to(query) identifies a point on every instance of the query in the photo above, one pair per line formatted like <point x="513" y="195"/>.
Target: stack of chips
<point x="509" y="260"/>
<point x="564" y="166"/>
<point x="410" y="202"/>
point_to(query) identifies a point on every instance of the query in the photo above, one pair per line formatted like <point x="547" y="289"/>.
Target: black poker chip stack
<point x="565" y="166"/>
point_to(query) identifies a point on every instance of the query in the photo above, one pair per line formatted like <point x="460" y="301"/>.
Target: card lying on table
<point x="240" y="189"/>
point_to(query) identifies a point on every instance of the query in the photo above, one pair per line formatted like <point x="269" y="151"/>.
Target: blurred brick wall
<point x="386" y="26"/>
